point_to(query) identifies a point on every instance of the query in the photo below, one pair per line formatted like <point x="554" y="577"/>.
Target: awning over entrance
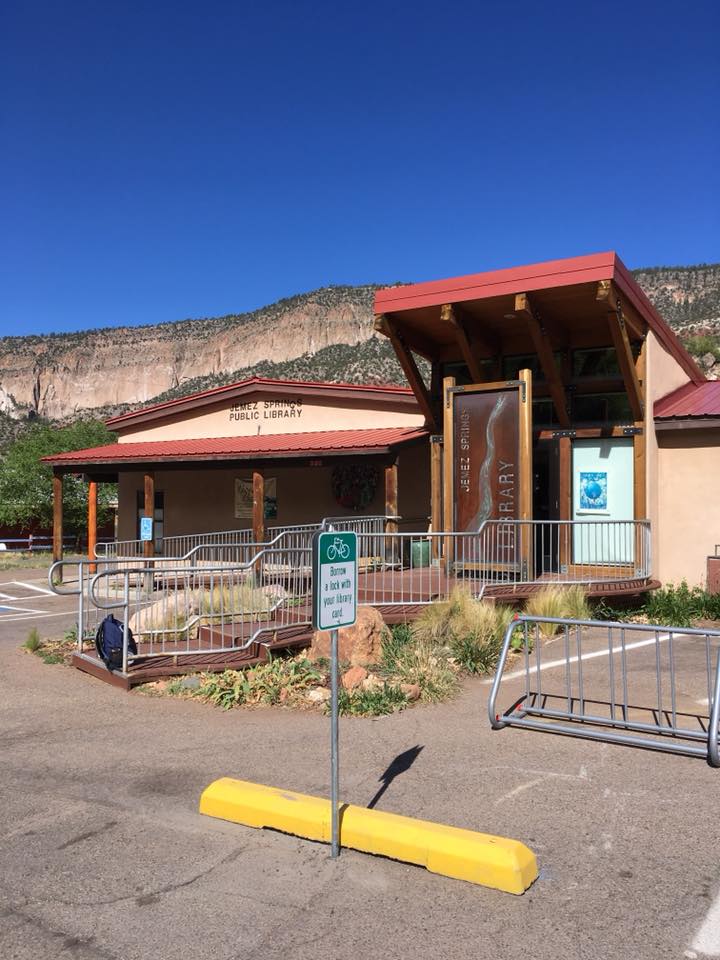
<point x="324" y="443"/>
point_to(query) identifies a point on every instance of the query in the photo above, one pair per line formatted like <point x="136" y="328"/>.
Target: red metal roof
<point x="539" y="276"/>
<point x="691" y="400"/>
<point x="254" y="383"/>
<point x="269" y="446"/>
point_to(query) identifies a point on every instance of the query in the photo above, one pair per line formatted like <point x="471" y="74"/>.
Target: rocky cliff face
<point x="324" y="334"/>
<point x="63" y="375"/>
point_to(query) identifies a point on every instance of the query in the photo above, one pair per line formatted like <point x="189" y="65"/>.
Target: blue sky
<point x="180" y="159"/>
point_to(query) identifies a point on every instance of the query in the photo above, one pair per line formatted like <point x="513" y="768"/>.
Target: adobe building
<point x="558" y="399"/>
<point x="605" y="416"/>
<point x="256" y="455"/>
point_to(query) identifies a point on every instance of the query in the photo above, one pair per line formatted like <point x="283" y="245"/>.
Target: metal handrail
<point x="104" y="550"/>
<point x="185" y="574"/>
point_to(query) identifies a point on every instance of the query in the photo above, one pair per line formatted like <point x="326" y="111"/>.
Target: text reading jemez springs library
<point x="557" y="431"/>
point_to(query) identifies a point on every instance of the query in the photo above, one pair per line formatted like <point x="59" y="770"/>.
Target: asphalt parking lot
<point x="103" y="854"/>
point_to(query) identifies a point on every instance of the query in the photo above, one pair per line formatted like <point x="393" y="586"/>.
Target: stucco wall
<point x="689" y="507"/>
<point x="198" y="501"/>
<point x="663" y="374"/>
<point x="272" y="414"/>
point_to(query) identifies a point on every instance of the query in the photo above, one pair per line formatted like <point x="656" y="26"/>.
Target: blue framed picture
<point x="593" y="491"/>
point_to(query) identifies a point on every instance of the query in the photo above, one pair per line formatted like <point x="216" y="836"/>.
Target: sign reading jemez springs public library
<point x="334" y="580"/>
<point x="486" y="447"/>
<point x="256" y="411"/>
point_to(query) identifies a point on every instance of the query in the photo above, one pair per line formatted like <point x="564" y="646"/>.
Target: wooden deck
<point x="376" y="589"/>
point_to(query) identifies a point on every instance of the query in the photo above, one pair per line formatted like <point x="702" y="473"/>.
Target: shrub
<point x="277" y="681"/>
<point x="406" y="659"/>
<point x="33" y="642"/>
<point x="558" y="601"/>
<point x="472" y="630"/>
<point x="679" y="606"/>
<point x="373" y="703"/>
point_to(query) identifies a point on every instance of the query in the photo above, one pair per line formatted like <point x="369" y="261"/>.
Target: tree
<point x="26" y="483"/>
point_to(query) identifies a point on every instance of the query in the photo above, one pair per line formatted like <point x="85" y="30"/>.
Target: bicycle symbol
<point x="338" y="549"/>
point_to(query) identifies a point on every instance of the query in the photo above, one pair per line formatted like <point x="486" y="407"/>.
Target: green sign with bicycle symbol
<point x="334" y="580"/>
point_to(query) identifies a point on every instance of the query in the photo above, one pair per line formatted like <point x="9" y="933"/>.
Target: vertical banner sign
<point x="334" y="604"/>
<point x="486" y="469"/>
<point x="146" y="528"/>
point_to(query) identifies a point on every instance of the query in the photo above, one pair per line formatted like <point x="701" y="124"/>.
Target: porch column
<point x="92" y="522"/>
<point x="436" y="499"/>
<point x="258" y="517"/>
<point x="391" y="496"/>
<point x="57" y="487"/>
<point x="448" y="454"/>
<point x="149" y="511"/>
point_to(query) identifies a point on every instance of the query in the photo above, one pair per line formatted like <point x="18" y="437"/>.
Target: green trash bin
<point x="420" y="553"/>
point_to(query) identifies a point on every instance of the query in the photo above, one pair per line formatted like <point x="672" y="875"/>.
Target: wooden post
<point x="436" y="493"/>
<point x="391" y="496"/>
<point x="525" y="505"/>
<point x="640" y="457"/>
<point x="448" y="469"/>
<point x="149" y="511"/>
<point x="92" y="522"/>
<point x="565" y="500"/>
<point x="57" y="518"/>
<point x="258" y="517"/>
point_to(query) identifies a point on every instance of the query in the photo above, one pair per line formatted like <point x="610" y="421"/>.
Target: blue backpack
<point x="109" y="643"/>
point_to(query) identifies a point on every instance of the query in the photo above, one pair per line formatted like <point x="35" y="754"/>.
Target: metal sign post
<point x="334" y="606"/>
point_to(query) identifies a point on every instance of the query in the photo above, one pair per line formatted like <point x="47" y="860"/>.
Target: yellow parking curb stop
<point x="496" y="862"/>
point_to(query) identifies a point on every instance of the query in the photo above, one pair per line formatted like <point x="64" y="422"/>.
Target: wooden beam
<point x="436" y="493"/>
<point x="409" y="367"/>
<point x="525" y="505"/>
<point x="607" y="292"/>
<point x="391" y="496"/>
<point x="480" y="340"/>
<point x="258" y="517"/>
<point x="149" y="511"/>
<point x="564" y="499"/>
<point x="524" y="307"/>
<point x="626" y="361"/>
<point x="92" y="522"/>
<point x="588" y="433"/>
<point x="57" y="487"/>
<point x="640" y="443"/>
<point x="448" y="493"/>
<point x="449" y="315"/>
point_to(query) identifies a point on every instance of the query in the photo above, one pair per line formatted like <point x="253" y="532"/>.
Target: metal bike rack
<point x="625" y="683"/>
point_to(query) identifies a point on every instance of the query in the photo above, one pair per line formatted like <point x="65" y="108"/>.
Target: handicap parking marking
<point x="11" y="612"/>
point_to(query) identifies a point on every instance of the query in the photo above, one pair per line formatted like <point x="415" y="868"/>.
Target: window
<point x="511" y="366"/>
<point x="598" y="362"/>
<point x="601" y="408"/>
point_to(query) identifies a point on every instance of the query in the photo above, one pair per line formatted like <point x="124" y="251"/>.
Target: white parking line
<point x="707" y="939"/>
<point x="550" y="664"/>
<point x="35" y="615"/>
<point x="32" y="586"/>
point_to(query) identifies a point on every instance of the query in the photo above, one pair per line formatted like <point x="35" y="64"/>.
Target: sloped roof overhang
<point x="565" y="291"/>
<point x="692" y="406"/>
<point x="218" y="450"/>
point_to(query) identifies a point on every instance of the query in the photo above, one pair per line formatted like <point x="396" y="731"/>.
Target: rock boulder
<point x="358" y="645"/>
